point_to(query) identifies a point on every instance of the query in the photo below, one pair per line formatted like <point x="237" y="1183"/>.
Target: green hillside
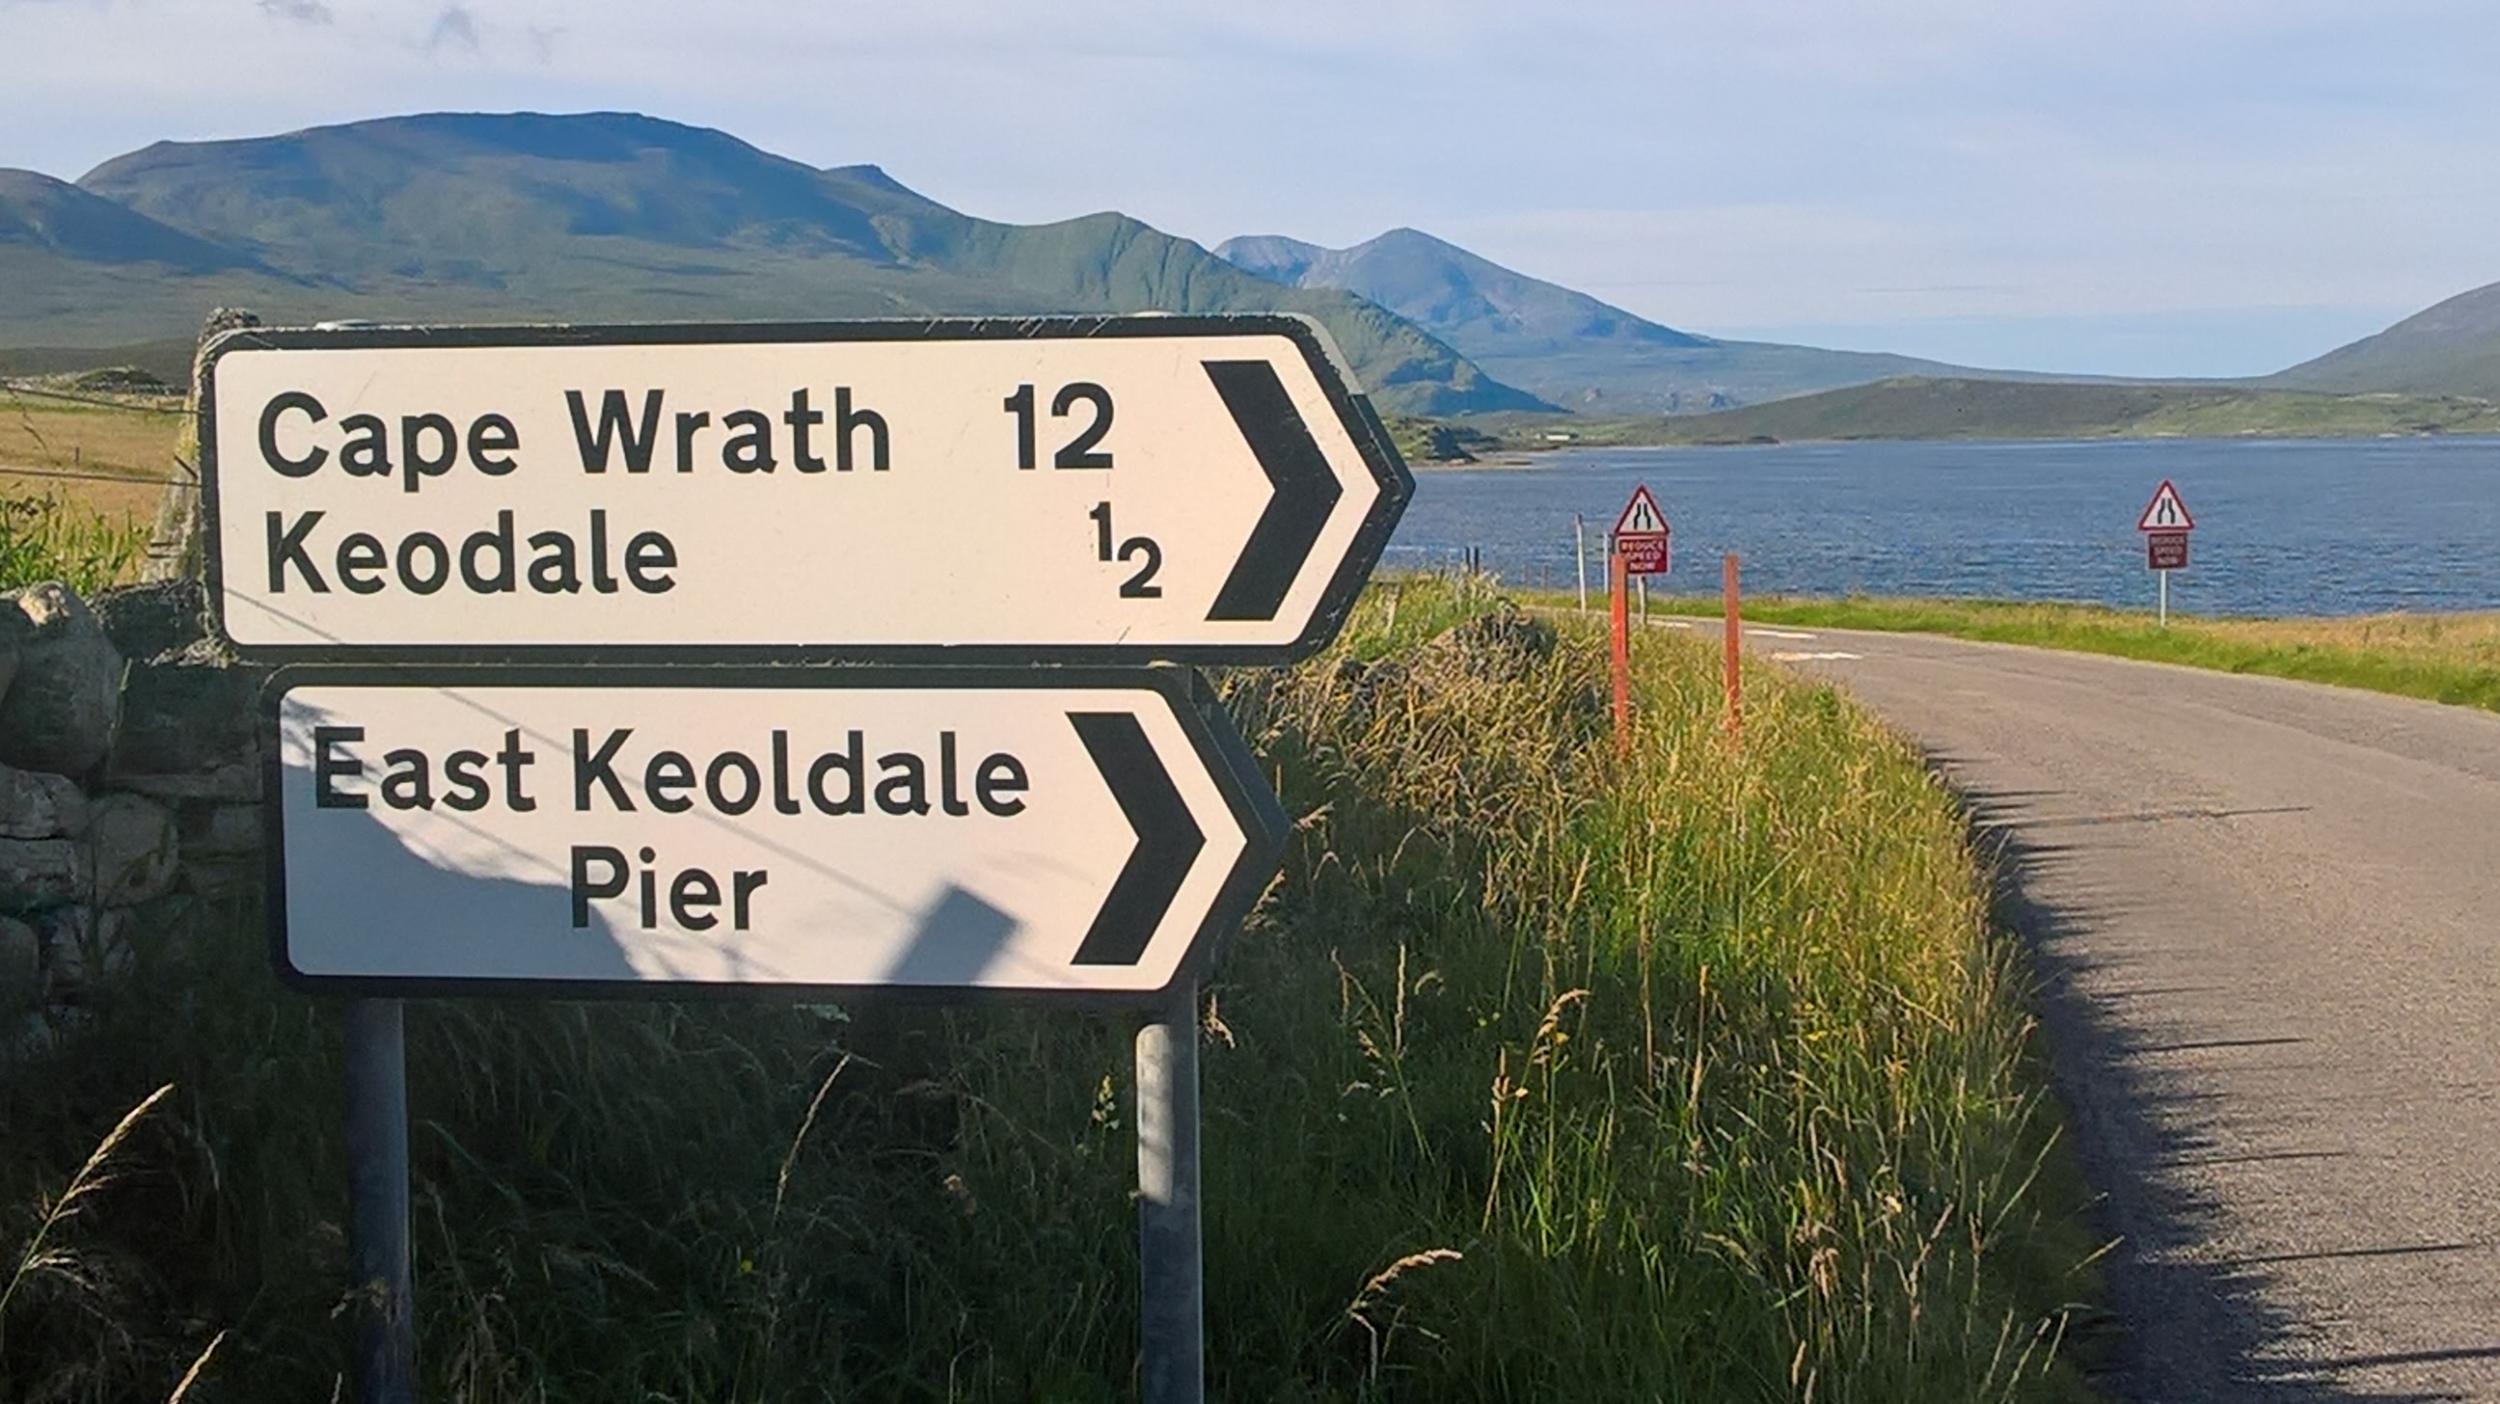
<point x="1583" y="355"/>
<point x="606" y="217"/>
<point x="2452" y="348"/>
<point x="1926" y="408"/>
<point x="54" y="216"/>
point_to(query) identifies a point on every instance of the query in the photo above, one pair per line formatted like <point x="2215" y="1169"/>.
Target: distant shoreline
<point x="1526" y="455"/>
<point x="1931" y="409"/>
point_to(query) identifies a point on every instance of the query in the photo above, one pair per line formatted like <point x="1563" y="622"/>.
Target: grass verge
<point x="104" y="455"/>
<point x="79" y="480"/>
<point x="1538" y="1075"/>
<point x="46" y="537"/>
<point x="2452" y="658"/>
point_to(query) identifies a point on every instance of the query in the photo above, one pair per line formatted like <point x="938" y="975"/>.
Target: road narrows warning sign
<point x="596" y="831"/>
<point x="2165" y="524"/>
<point x="1642" y="536"/>
<point x="971" y="490"/>
<point x="2165" y="512"/>
<point x="1641" y="516"/>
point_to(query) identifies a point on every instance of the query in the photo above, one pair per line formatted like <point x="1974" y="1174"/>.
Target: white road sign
<point x="612" y="830"/>
<point x="1059" y="489"/>
<point x="1641" y="516"/>
<point x="2165" y="512"/>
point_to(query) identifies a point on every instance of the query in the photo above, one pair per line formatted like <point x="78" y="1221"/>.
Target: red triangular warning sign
<point x="1641" y="516"/>
<point x="2165" y="512"/>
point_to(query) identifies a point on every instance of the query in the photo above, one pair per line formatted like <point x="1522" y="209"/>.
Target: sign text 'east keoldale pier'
<point x="1064" y="831"/>
<point x="1059" y="489"/>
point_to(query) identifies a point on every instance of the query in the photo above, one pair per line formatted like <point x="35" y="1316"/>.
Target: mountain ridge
<point x="623" y="216"/>
<point x="620" y="216"/>
<point x="1561" y="344"/>
<point x="2451" y="347"/>
<point x="39" y="211"/>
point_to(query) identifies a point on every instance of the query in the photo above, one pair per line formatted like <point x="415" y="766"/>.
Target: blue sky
<point x="2186" y="187"/>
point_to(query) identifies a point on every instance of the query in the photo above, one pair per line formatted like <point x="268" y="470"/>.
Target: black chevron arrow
<point x="1168" y="839"/>
<point x="1306" y="490"/>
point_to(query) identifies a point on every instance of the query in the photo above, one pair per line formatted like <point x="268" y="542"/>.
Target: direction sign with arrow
<point x="528" y="830"/>
<point x="1038" y="489"/>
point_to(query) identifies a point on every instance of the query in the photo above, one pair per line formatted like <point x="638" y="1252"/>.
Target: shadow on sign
<point x="355" y="889"/>
<point x="956" y="939"/>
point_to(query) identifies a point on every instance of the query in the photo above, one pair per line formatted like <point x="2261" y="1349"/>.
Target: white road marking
<point x="1774" y="633"/>
<point x="1812" y="657"/>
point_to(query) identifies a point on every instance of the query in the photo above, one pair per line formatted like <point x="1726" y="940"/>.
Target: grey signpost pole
<point x="1171" y="1280"/>
<point x="385" y="1369"/>
<point x="1580" y="558"/>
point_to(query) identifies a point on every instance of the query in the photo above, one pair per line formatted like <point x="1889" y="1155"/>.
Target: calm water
<point x="2290" y="527"/>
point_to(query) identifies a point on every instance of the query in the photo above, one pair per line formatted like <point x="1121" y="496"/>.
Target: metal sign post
<point x="1171" y="1273"/>
<point x="1580" y="558"/>
<point x="1619" y="641"/>
<point x="381" y="1299"/>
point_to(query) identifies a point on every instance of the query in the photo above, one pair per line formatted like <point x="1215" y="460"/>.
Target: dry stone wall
<point x="130" y="790"/>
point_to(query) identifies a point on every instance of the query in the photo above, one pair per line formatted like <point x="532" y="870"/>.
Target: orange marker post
<point x="1618" y="584"/>
<point x="1735" y="644"/>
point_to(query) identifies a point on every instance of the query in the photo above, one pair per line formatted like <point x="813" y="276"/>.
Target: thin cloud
<point x="298" y="11"/>
<point x="454" y="28"/>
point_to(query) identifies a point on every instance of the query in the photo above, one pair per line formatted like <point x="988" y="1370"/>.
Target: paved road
<point x="2267" y="917"/>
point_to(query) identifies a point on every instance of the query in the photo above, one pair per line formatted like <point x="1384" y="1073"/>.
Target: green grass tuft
<point x="45" y="537"/>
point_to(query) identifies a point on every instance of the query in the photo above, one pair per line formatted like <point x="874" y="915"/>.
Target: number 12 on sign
<point x="1080" y="451"/>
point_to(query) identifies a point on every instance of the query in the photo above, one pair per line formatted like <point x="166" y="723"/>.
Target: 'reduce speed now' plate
<point x="1058" y="489"/>
<point x="1039" y="832"/>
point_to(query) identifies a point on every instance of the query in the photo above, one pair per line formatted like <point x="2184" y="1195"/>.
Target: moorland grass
<point x="78" y="480"/>
<point x="1538" y="1075"/>
<point x="103" y="455"/>
<point x="44" y="536"/>
<point x="2440" y="657"/>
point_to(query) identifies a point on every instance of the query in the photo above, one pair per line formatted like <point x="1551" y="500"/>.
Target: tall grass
<point x="1537" y="1076"/>
<point x="46" y="537"/>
